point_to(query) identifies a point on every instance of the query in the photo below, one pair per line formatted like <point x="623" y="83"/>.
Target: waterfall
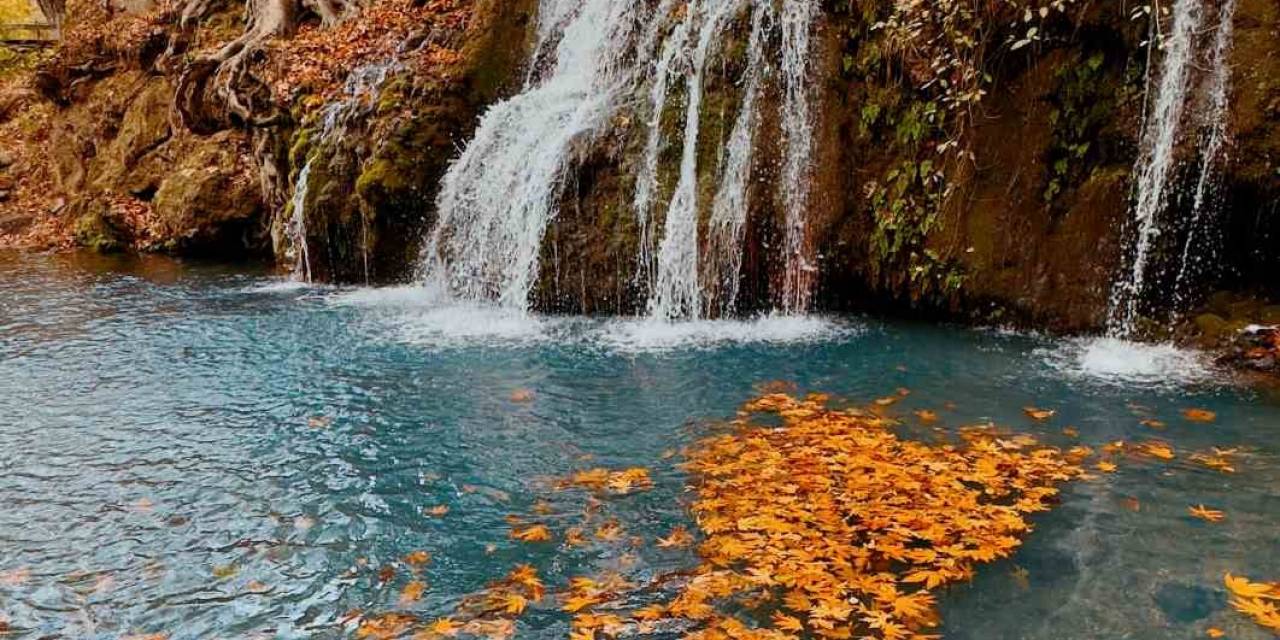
<point x="1155" y="172"/>
<point x="359" y="90"/>
<point x="1156" y="161"/>
<point x="797" y="126"/>
<point x="498" y="198"/>
<point x="1214" y="120"/>
<point x="592" y="58"/>
<point x="647" y="175"/>
<point x="683" y="289"/>
<point x="297" y="225"/>
<point x="729" y="211"/>
<point x="678" y="293"/>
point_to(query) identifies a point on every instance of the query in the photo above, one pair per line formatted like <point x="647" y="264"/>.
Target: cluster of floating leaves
<point x="1258" y="600"/>
<point x="837" y="528"/>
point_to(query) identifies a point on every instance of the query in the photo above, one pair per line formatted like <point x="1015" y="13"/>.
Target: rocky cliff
<point x="975" y="162"/>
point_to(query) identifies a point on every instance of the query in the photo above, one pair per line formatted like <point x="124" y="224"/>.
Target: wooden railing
<point x="29" y="34"/>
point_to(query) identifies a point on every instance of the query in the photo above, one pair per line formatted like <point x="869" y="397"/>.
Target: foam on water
<point x="647" y="335"/>
<point x="421" y="316"/>
<point x="281" y="285"/>
<point x="1121" y="362"/>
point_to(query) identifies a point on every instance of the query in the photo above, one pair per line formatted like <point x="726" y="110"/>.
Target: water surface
<point x="213" y="453"/>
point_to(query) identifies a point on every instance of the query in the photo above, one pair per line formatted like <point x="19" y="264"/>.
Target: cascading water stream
<point x="297" y="226"/>
<point x="594" y="56"/>
<point x="499" y="196"/>
<point x="360" y="89"/>
<point x="1171" y="118"/>
<point x="797" y="125"/>
<point x="678" y="293"/>
<point x="1214" y="121"/>
<point x="1156" y="161"/>
<point x="729" y="211"/>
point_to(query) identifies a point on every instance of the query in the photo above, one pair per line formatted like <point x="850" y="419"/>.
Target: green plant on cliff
<point x="1085" y="103"/>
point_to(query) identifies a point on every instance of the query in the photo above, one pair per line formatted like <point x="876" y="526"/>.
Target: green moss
<point x="95" y="230"/>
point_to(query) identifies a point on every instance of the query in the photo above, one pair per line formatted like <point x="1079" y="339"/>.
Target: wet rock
<point x="1213" y="329"/>
<point x="97" y="228"/>
<point x="210" y="202"/>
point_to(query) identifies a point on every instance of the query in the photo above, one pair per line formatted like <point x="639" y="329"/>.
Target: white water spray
<point x="678" y="293"/>
<point x="297" y="225"/>
<point x="1156" y="161"/>
<point x="1213" y="120"/>
<point x="729" y="211"/>
<point x="499" y="196"/>
<point x="797" y="126"/>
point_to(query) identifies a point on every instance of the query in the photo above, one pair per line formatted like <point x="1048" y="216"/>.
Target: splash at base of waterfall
<point x="431" y="318"/>
<point x="1120" y="362"/>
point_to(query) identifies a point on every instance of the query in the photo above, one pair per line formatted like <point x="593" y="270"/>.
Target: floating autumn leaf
<point x="1214" y="632"/>
<point x="1243" y="588"/>
<point x="1217" y="461"/>
<point x="886" y="401"/>
<point x="1256" y="600"/>
<point x="386" y="573"/>
<point x="1199" y="415"/>
<point x="1105" y="466"/>
<point x="926" y="416"/>
<point x="622" y="482"/>
<point x="1071" y="432"/>
<point x="532" y="533"/>
<point x="609" y="532"/>
<point x="1206" y="514"/>
<point x="1039" y="414"/>
<point x="1157" y="449"/>
<point x="444" y="628"/>
<point x="319" y="422"/>
<point x="386" y="626"/>
<point x="417" y="558"/>
<point x="1153" y="423"/>
<point x="1131" y="503"/>
<point x="412" y="592"/>
<point x="438" y="511"/>
<point x="136" y="636"/>
<point x="521" y="395"/>
<point x="679" y="537"/>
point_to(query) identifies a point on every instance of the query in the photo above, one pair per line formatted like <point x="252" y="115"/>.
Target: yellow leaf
<point x="412" y="592"/>
<point x="1207" y="514"/>
<point x="1039" y="414"/>
<point x="532" y="533"/>
<point x="1199" y="415"/>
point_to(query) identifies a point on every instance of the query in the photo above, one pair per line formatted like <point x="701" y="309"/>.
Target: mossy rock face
<point x="1214" y="329"/>
<point x="1269" y="315"/>
<point x="96" y="228"/>
<point x="210" y="202"/>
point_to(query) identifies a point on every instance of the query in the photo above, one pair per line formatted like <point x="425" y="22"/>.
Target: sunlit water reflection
<point x="218" y="454"/>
